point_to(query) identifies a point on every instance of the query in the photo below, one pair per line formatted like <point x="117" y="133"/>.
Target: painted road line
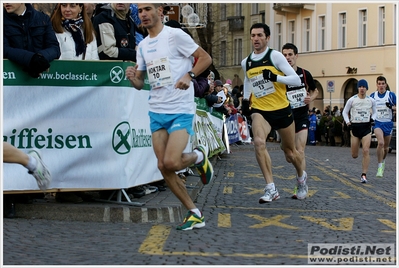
<point x="358" y="188"/>
<point x="341" y="195"/>
<point x="224" y="220"/>
<point x="297" y="210"/>
<point x="156" y="239"/>
<point x="228" y="189"/>
<point x="344" y="224"/>
<point x="272" y="221"/>
<point x="388" y="223"/>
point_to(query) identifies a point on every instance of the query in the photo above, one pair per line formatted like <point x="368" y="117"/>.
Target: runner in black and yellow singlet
<point x="266" y="74"/>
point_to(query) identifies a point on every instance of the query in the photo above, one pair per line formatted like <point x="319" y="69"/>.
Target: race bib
<point x="383" y="112"/>
<point x="297" y="97"/>
<point x="361" y="116"/>
<point x="261" y="87"/>
<point x="159" y="74"/>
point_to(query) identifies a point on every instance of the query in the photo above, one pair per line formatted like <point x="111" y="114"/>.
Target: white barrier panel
<point x="90" y="125"/>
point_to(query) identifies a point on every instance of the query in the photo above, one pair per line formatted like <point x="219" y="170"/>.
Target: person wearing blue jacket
<point x="29" y="38"/>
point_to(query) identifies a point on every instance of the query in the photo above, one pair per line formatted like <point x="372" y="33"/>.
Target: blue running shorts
<point x="171" y="122"/>
<point x="386" y="127"/>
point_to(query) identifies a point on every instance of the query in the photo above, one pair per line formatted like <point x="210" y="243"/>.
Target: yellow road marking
<point x="306" y="210"/>
<point x="224" y="220"/>
<point x="258" y="175"/>
<point x="344" y="224"/>
<point x="340" y="195"/>
<point x="230" y="174"/>
<point x="156" y="238"/>
<point x="227" y="189"/>
<point x="254" y="191"/>
<point x="315" y="178"/>
<point x="284" y="177"/>
<point x="270" y="221"/>
<point x="358" y="188"/>
<point x="390" y="224"/>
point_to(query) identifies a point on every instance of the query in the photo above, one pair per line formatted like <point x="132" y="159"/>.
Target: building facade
<point x="339" y="43"/>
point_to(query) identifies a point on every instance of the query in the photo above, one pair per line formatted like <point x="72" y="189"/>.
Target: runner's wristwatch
<point x="192" y="75"/>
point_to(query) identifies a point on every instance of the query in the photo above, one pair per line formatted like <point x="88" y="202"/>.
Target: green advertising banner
<point x="70" y="74"/>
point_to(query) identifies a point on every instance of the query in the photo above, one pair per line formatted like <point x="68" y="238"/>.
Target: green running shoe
<point x="191" y="221"/>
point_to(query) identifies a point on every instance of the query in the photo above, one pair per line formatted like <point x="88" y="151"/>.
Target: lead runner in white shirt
<point x="165" y="55"/>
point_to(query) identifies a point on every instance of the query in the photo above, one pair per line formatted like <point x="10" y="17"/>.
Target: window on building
<point x="322" y="33"/>
<point x="381" y="26"/>
<point x="306" y="34"/>
<point x="362" y="28"/>
<point x="254" y="9"/>
<point x="237" y="51"/>
<point x="291" y="31"/>
<point x="238" y="9"/>
<point x="342" y="31"/>
<point x="278" y="36"/>
<point x="223" y="49"/>
<point x="223" y="12"/>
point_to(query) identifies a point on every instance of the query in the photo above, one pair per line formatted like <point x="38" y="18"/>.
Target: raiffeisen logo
<point x="124" y="138"/>
<point x="116" y="74"/>
<point x="27" y="139"/>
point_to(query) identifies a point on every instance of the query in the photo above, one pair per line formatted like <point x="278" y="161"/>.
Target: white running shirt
<point x="359" y="109"/>
<point x="166" y="58"/>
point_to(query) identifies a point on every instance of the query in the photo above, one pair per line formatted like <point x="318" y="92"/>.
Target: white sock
<point x="32" y="163"/>
<point x="379" y="165"/>
<point x="271" y="186"/>
<point x="196" y="211"/>
<point x="200" y="156"/>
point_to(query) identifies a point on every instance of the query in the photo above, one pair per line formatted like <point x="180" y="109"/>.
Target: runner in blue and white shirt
<point x="386" y="105"/>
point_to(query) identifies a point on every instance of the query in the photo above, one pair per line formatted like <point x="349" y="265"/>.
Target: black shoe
<point x="137" y="191"/>
<point x="9" y="210"/>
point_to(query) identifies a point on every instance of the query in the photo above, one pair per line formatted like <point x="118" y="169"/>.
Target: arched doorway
<point x="318" y="102"/>
<point x="350" y="89"/>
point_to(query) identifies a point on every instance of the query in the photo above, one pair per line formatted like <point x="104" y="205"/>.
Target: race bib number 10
<point x="159" y="74"/>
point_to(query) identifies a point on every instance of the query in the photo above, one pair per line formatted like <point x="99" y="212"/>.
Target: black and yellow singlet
<point x="266" y="95"/>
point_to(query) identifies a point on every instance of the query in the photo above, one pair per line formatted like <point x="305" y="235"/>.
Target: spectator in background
<point x="116" y="33"/>
<point x="28" y="38"/>
<point x="217" y="98"/>
<point x="90" y="10"/>
<point x="336" y="112"/>
<point x="312" y="127"/>
<point x="75" y="32"/>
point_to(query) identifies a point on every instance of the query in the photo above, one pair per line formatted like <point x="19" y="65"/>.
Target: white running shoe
<point x="269" y="196"/>
<point x="301" y="188"/>
<point x="41" y="173"/>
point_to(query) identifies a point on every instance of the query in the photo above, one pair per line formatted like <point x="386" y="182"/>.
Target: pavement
<point x="339" y="210"/>
<point x="158" y="207"/>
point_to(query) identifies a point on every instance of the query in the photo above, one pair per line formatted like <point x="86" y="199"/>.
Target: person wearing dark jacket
<point x="116" y="33"/>
<point x="215" y="98"/>
<point x="28" y="38"/>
